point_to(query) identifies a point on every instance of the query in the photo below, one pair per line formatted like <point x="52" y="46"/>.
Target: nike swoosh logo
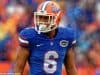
<point x="39" y="45"/>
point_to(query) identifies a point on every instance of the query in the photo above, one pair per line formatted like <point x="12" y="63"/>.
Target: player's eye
<point x="44" y="18"/>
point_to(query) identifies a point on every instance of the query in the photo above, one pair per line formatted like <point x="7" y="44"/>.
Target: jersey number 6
<point x="50" y="63"/>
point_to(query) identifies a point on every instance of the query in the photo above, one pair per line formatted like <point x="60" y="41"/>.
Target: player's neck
<point x="52" y="34"/>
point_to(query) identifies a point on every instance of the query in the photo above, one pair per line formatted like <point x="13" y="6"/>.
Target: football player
<point x="46" y="46"/>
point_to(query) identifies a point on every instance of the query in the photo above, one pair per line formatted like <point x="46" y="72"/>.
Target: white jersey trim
<point x="23" y="41"/>
<point x="74" y="42"/>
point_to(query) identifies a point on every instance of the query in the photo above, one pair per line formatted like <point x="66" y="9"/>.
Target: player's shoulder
<point x="67" y="31"/>
<point x="28" y="32"/>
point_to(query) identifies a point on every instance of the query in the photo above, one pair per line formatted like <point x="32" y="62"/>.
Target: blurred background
<point x="81" y="15"/>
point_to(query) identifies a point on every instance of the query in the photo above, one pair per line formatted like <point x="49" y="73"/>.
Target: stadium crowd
<point x="81" y="15"/>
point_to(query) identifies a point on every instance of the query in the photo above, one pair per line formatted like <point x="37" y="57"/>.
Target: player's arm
<point x="22" y="52"/>
<point x="69" y="63"/>
<point x="22" y="56"/>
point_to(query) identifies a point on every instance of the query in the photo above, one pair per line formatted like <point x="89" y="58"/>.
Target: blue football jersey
<point x="46" y="55"/>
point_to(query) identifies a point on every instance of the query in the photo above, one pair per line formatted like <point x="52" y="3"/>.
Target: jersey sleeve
<point x="73" y="43"/>
<point x="72" y="36"/>
<point x="23" y="38"/>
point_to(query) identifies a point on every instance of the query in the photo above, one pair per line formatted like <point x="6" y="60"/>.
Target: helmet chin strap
<point x="42" y="28"/>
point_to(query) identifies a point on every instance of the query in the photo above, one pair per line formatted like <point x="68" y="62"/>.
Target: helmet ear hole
<point x="58" y="20"/>
<point x="59" y="17"/>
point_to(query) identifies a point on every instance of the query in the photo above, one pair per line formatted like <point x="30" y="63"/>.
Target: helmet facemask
<point x="44" y="22"/>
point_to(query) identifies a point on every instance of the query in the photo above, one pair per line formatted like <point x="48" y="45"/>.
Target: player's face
<point x="44" y="20"/>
